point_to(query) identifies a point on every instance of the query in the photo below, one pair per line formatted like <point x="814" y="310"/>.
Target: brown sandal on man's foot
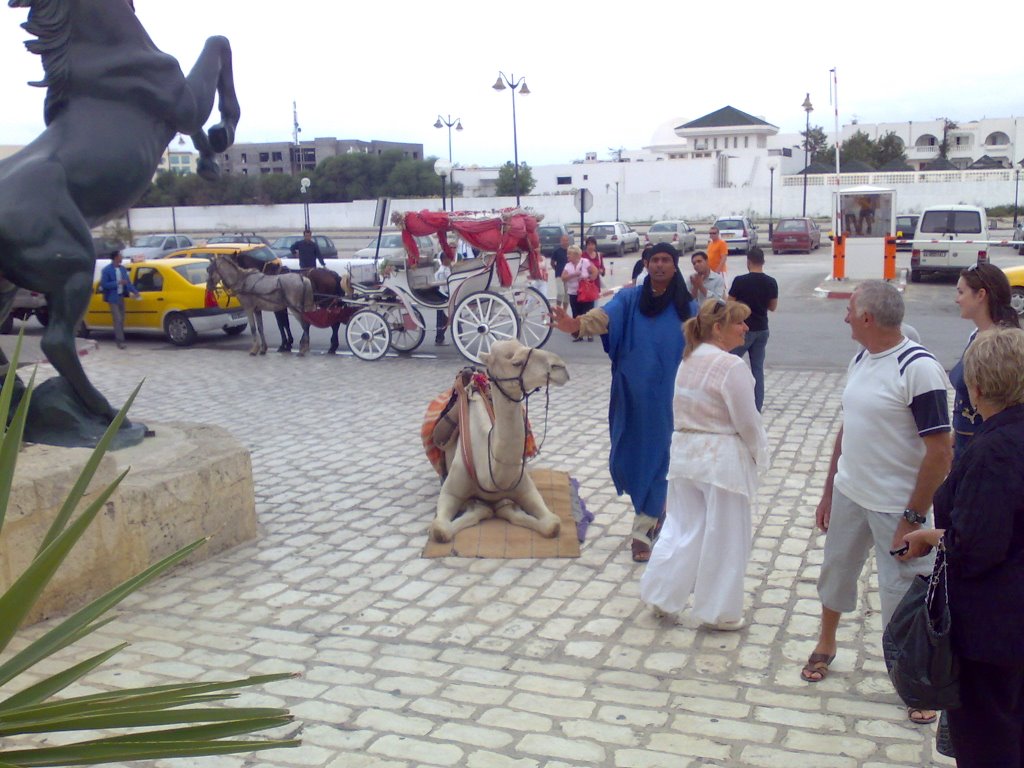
<point x="641" y="551"/>
<point x="917" y="716"/>
<point x="817" y="664"/>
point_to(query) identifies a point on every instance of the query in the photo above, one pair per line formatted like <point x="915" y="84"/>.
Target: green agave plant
<point x="149" y="723"/>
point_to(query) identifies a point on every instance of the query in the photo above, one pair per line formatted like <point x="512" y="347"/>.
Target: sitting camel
<point x="486" y="465"/>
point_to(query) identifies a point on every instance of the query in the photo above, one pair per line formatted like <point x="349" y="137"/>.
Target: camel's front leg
<point x="448" y="506"/>
<point x="531" y="511"/>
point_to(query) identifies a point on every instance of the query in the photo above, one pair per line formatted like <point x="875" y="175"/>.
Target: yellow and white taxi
<point x="173" y="300"/>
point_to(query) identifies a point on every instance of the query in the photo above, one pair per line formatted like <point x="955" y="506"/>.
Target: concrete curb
<point x="843" y="289"/>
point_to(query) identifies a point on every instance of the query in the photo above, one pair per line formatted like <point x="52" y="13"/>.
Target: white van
<point x="950" y="226"/>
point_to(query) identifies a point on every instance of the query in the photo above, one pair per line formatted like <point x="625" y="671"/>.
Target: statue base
<point x="57" y="417"/>
<point x="187" y="482"/>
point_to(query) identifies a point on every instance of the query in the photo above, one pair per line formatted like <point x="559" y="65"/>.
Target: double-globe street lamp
<point x="441" y="123"/>
<point x="499" y="85"/>
<point x="807" y="145"/>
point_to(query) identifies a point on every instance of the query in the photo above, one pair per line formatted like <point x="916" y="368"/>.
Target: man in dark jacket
<point x="307" y="251"/>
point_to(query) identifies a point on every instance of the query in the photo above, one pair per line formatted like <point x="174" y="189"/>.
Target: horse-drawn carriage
<point x="487" y="298"/>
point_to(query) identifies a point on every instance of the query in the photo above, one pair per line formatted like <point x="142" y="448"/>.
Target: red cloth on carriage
<point x="510" y="229"/>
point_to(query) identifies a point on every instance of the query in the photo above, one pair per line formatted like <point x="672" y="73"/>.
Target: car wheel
<point x="1017" y="300"/>
<point x="8" y="325"/>
<point x="234" y="330"/>
<point x="915" y="276"/>
<point x="179" y="330"/>
<point x="43" y="316"/>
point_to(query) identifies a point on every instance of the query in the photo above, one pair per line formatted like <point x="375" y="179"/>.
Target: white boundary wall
<point x="972" y="188"/>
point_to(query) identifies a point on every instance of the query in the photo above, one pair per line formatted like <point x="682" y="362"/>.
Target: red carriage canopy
<point x="510" y="229"/>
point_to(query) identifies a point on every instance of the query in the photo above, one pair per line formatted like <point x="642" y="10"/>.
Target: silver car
<point x="738" y="233"/>
<point x="614" y="238"/>
<point x="676" y="232"/>
<point x="392" y="248"/>
<point x="156" y="246"/>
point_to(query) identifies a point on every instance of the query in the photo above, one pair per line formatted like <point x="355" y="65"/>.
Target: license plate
<point x="934" y="254"/>
<point x="237" y="315"/>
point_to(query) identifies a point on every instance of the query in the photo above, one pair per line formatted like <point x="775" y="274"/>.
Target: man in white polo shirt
<point x="891" y="454"/>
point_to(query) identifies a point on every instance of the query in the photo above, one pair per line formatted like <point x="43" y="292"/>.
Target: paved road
<point x="407" y="662"/>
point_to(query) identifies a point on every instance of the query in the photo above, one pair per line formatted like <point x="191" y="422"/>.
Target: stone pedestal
<point x="188" y="482"/>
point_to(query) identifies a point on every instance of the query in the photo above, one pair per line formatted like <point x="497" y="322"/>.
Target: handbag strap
<point x="938" y="584"/>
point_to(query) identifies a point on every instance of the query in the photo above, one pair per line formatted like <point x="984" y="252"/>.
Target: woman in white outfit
<point x="718" y="445"/>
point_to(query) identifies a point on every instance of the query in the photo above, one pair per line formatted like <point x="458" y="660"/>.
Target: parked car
<point x="677" y="232"/>
<point x="155" y="246"/>
<point x="906" y="226"/>
<point x="1016" y="278"/>
<point x="283" y="246"/>
<point x="614" y="238"/>
<point x="26" y="304"/>
<point x="550" y="236"/>
<point x="796" y="234"/>
<point x="258" y="252"/>
<point x="173" y="301"/>
<point x="949" y="226"/>
<point x="1018" y="235"/>
<point x="238" y="237"/>
<point x="392" y="248"/>
<point x="738" y="233"/>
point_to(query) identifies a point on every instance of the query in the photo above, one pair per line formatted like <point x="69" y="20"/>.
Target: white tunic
<point x="719" y="437"/>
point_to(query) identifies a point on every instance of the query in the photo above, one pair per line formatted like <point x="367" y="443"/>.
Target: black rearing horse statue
<point x="113" y="103"/>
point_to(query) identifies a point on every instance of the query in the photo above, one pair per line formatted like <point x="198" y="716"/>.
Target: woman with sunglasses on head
<point x="983" y="295"/>
<point x="718" y="446"/>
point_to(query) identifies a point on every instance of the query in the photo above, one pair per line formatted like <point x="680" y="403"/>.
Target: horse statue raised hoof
<point x="486" y="464"/>
<point x="113" y="103"/>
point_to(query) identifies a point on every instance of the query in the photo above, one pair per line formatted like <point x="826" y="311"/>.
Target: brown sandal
<point x="641" y="551"/>
<point x="817" y="664"/>
<point x="917" y="716"/>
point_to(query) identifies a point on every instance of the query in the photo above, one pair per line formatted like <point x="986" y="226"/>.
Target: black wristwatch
<point x="912" y="517"/>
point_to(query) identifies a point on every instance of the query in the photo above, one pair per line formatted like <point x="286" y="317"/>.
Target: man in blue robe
<point x="641" y="329"/>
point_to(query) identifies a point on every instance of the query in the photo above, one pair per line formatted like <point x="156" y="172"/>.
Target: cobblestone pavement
<point x="488" y="663"/>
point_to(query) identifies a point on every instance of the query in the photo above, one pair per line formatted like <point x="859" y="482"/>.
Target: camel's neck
<point x="506" y="439"/>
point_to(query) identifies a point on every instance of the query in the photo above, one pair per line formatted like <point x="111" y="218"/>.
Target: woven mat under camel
<point x="498" y="539"/>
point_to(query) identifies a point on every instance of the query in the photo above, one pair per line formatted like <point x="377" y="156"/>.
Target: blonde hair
<point x="573" y="250"/>
<point x="699" y="329"/>
<point x="994" y="366"/>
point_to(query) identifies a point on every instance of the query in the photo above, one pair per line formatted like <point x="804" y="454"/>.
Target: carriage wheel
<point x="534" y="316"/>
<point x="480" y="320"/>
<point x="367" y="335"/>
<point x="403" y="339"/>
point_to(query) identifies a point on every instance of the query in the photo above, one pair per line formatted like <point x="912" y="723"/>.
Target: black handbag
<point x="918" y="647"/>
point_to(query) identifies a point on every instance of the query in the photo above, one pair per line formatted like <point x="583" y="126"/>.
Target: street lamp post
<point x="1016" y="189"/>
<point x="807" y="145"/>
<point x="771" y="202"/>
<point x="441" y="123"/>
<point x="304" y="183"/>
<point x="499" y="85"/>
<point x="443" y="169"/>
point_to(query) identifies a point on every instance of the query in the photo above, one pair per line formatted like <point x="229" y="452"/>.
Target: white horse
<point x="258" y="292"/>
<point x="486" y="467"/>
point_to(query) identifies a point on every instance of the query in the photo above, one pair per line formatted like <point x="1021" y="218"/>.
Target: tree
<point x="947" y="126"/>
<point x="889" y="148"/>
<point x="862" y="147"/>
<point x="506" y="185"/>
<point x="817" y="143"/>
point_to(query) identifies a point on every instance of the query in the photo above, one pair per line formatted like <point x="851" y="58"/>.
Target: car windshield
<point x="729" y="224"/>
<point x="600" y="231"/>
<point x="663" y="226"/>
<point x="549" y="231"/>
<point x="195" y="273"/>
<point x="285" y="242"/>
<point x="959" y="222"/>
<point x="151" y="241"/>
<point x="905" y="222"/>
<point x="262" y="253"/>
<point x="387" y="241"/>
<point x="791" y="225"/>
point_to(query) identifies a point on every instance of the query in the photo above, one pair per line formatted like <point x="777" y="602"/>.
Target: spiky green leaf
<point x="47" y="687"/>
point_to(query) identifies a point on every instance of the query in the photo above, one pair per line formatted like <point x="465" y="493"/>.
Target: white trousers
<point x="702" y="551"/>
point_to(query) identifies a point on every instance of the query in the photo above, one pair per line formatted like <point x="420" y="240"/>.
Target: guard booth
<point x="862" y="219"/>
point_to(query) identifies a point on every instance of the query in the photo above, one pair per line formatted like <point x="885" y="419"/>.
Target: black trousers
<point x="442" y="324"/>
<point x="579" y="307"/>
<point x="988" y="729"/>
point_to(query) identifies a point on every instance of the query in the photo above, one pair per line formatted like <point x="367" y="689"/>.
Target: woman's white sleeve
<point x="738" y="392"/>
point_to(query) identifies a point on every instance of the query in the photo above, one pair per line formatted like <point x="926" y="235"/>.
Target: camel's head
<point x="509" y="361"/>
